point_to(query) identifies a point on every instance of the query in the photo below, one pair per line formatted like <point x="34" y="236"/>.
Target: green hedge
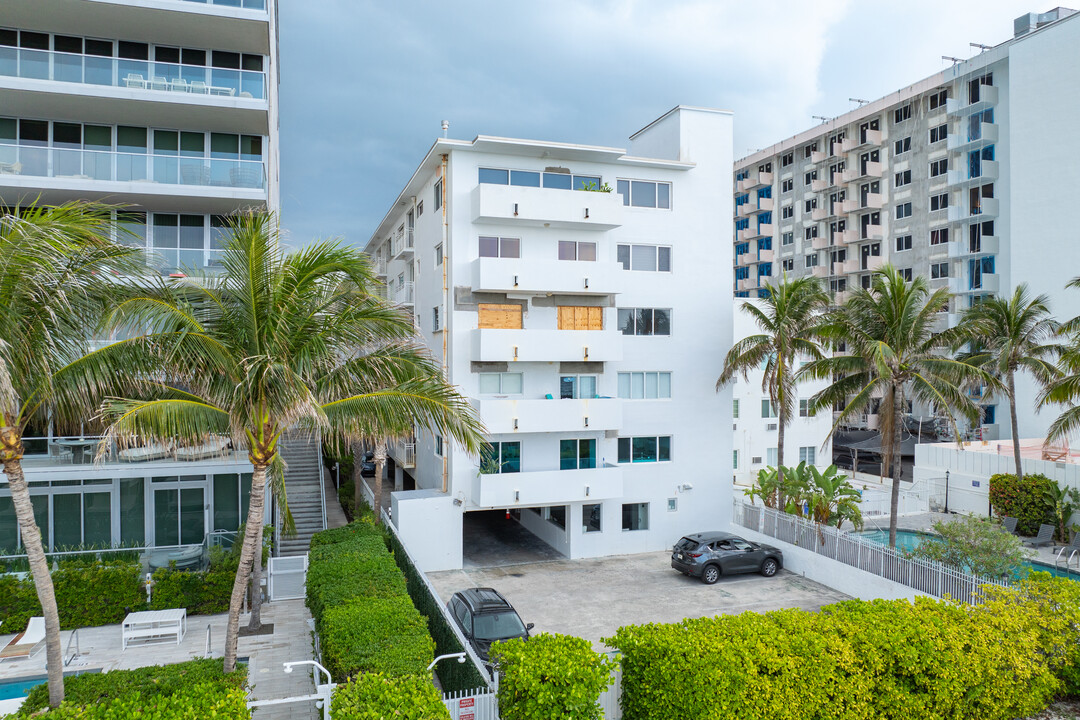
<point x="195" y="689"/>
<point x="346" y="533"/>
<point x="375" y="696"/>
<point x="454" y="676"/>
<point x="86" y="596"/>
<point x="200" y="592"/>
<point x="1003" y="659"/>
<point x="376" y="635"/>
<point x="551" y="676"/>
<point x="1024" y="500"/>
<point x="354" y="570"/>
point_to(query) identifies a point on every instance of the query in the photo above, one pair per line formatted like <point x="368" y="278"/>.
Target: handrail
<point x="322" y="480"/>
<point x="78" y="650"/>
<point x="209" y="639"/>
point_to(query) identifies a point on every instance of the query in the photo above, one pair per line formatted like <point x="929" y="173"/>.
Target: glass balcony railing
<point x="130" y="167"/>
<point x="133" y="74"/>
<point x="248" y="4"/>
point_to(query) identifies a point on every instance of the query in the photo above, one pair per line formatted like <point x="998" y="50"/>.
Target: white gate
<point x="472" y="705"/>
<point x="286" y="577"/>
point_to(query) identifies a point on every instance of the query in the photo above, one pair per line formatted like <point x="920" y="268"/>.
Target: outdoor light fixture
<point x="459" y="655"/>
<point x="515" y="281"/>
<point x="586" y="491"/>
<point x="515" y="209"/>
<point x="515" y="424"/>
<point x="515" y="352"/>
<point x="290" y="665"/>
<point x="586" y="421"/>
<point x="517" y="496"/>
<point x="586" y="352"/>
<point x="586" y="213"/>
<point x="586" y="283"/>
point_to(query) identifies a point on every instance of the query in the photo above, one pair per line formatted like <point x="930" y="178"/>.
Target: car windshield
<point x="686" y="544"/>
<point x="497" y="626"/>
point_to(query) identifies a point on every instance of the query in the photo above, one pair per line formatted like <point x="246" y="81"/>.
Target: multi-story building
<point x="756" y="425"/>
<point x="169" y="108"/>
<point x="964" y="178"/>
<point x="570" y="291"/>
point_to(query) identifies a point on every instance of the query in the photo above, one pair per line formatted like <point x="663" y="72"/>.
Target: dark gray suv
<point x="485" y="616"/>
<point x="710" y="555"/>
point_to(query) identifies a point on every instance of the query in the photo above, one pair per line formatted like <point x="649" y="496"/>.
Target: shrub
<point x="354" y="570"/>
<point x="374" y="696"/>
<point x="86" y="596"/>
<point x="975" y="545"/>
<point x="385" y="635"/>
<point x="360" y="528"/>
<point x="452" y="675"/>
<point x="550" y="676"/>
<point x="1024" y="500"/>
<point x="196" y="689"/>
<point x="200" y="592"/>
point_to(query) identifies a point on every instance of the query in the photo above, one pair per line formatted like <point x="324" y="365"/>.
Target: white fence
<point x="924" y="576"/>
<point x="286" y="577"/>
<point x="477" y="704"/>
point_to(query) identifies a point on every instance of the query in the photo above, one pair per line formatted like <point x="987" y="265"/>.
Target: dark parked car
<point x="485" y="616"/>
<point x="710" y="555"/>
<point x="367" y="465"/>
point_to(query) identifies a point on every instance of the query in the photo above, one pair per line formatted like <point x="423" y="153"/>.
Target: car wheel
<point x="710" y="574"/>
<point x="769" y="567"/>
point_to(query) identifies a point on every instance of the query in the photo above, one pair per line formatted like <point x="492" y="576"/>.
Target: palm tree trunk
<point x="376" y="485"/>
<point x="358" y="480"/>
<point x="252" y="538"/>
<point x="39" y="572"/>
<point x="1011" y="380"/>
<point x="255" y="620"/>
<point x="781" y="421"/>
<point x="894" y="442"/>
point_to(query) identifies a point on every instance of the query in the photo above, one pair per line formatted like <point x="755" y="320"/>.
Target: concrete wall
<point x="416" y="513"/>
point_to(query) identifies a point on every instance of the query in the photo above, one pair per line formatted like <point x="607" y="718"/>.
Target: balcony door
<point x="506" y="317"/>
<point x="581" y="318"/>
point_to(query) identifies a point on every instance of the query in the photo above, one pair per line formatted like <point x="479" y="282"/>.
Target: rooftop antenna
<point x="857" y="100"/>
<point x="954" y="60"/>
<point x="445" y="127"/>
<point x="981" y="47"/>
<point x="822" y="118"/>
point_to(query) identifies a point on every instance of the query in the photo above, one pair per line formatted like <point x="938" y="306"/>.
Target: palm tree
<point x="1009" y="335"/>
<point x="893" y="354"/>
<point x="788" y="319"/>
<point x="279" y="340"/>
<point x="57" y="270"/>
<point x="1065" y="388"/>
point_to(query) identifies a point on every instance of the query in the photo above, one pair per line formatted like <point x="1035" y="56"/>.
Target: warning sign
<point x="467" y="716"/>
<point x="466" y="703"/>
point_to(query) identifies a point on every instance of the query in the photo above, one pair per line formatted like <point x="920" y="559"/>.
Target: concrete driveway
<point x="592" y="598"/>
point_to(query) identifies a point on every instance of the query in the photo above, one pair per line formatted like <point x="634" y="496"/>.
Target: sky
<point x="365" y="84"/>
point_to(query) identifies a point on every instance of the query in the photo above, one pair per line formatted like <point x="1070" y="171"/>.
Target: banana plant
<point x="833" y="500"/>
<point x="1065" y="502"/>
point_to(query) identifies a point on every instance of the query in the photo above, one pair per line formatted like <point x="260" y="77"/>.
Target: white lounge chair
<point x="158" y="83"/>
<point x="198" y="87"/>
<point x="26" y="643"/>
<point x="134" y="80"/>
<point x="153" y="451"/>
<point x="179" y="85"/>
<point x="215" y="447"/>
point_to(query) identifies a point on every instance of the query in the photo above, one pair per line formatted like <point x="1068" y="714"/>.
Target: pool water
<point x="12" y="689"/>
<point x="908" y="540"/>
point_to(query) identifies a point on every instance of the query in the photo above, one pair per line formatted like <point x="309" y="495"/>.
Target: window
<point x="939" y="270"/>
<point x="591" y="518"/>
<point x="787" y="265"/>
<point x="804" y="408"/>
<point x="902" y="114"/>
<point x="573" y="317"/>
<point x="902" y="146"/>
<point x="500" y="383"/>
<point x="768" y="409"/>
<point x="939" y="167"/>
<point x="905" y="273"/>
<point x="643" y="193"/>
<point x="939" y="236"/>
<point x="937" y="99"/>
<point x="645" y="385"/>
<point x="811" y="232"/>
<point x="645" y="449"/>
<point x="989" y="414"/>
<point x="734" y="459"/>
<point x="439" y="445"/>
<point x="735" y="409"/>
<point x="648" y="258"/>
<point x="787" y="212"/>
<point x="645" y="321"/>
<point x="572" y="250"/>
<point x="635" y="516"/>
<point x="787" y="238"/>
<point x="577" y="387"/>
<point x="435" y="326"/>
<point x="772" y="457"/>
<point x="809" y="204"/>
<point x="903" y="210"/>
<point x="903" y="242"/>
<point x="812" y="260"/>
<point x="939" y="202"/>
<point x="500" y="247"/>
<point x="939" y="133"/>
<point x="501" y="316"/>
<point x="810" y="177"/>
<point x="500" y="458"/>
<point x="419" y="208"/>
<point x="556" y="515"/>
<point x="809" y="150"/>
<point x="787" y="185"/>
<point x="533" y="178"/>
<point x="787" y="159"/>
<point x="577" y="454"/>
<point x="438" y="254"/>
<point x="438" y="195"/>
<point x="808" y="455"/>
<point x="902" y="178"/>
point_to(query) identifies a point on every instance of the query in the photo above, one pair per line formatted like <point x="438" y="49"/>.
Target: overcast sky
<point x="365" y="83"/>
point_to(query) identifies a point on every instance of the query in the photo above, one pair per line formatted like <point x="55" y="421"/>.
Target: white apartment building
<point x="965" y="177"/>
<point x="570" y="291"/>
<point x="168" y="107"/>
<point x="755" y="423"/>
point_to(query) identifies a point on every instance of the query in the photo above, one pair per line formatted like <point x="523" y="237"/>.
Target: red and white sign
<point x="466" y="703"/>
<point x="467" y="716"/>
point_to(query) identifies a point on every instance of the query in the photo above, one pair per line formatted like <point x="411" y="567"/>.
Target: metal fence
<point x="924" y="576"/>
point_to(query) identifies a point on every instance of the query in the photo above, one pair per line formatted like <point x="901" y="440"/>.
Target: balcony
<point x="817" y="156"/>
<point x="548" y="487"/>
<point x="546" y="207"/>
<point x="403" y="452"/>
<point x="846" y="236"/>
<point x="748" y="283"/>
<point x="509" y="415"/>
<point x="871" y="201"/>
<point x="744" y="259"/>
<point x="763" y="230"/>
<point x="988" y="98"/>
<point x="987" y="134"/>
<point x="986" y="245"/>
<point x="987" y="209"/>
<point x="56" y="458"/>
<point x="818" y="214"/>
<point x="746" y="209"/>
<point x="820" y="243"/>
<point x="862" y="170"/>
<point x="106" y="173"/>
<point x="403" y="294"/>
<point x="943" y="321"/>
<point x="820" y="271"/>
<point x="873" y="138"/>
<point x="402" y="245"/>
<point x="379" y="265"/>
<point x="765" y="256"/>
<point x="764" y="205"/>
<point x="538" y="277"/>
<point x="755" y="180"/>
<point x="989" y="171"/>
<point x="987" y="283"/>
<point x="852" y="265"/>
<point x="873" y="232"/>
<point x="819" y="185"/>
<point x="501" y="345"/>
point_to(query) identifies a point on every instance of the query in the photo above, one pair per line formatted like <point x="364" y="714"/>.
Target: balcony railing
<point x="132" y="74"/>
<point x="247" y="4"/>
<point x="402" y="244"/>
<point x="403" y="295"/>
<point x="106" y="165"/>
<point x="42" y="452"/>
<point x="404" y="453"/>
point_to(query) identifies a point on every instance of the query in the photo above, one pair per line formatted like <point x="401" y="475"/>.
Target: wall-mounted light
<point x="515" y="209"/>
<point x="586" y="421"/>
<point x="515" y="281"/>
<point x="586" y="491"/>
<point x="586" y="213"/>
<point x="586" y="283"/>
<point x="515" y="352"/>
<point x="586" y="352"/>
<point x="517" y="496"/>
<point x="515" y="424"/>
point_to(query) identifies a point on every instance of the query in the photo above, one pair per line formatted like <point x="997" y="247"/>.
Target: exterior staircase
<point x="304" y="490"/>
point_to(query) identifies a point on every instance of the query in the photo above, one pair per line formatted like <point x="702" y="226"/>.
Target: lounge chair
<point x="1045" y="537"/>
<point x="134" y="80"/>
<point x="158" y="83"/>
<point x="198" y="87"/>
<point x="178" y="85"/>
<point x="187" y="558"/>
<point x="1008" y="524"/>
<point x="26" y="643"/>
<point x="215" y="447"/>
<point x="153" y="451"/>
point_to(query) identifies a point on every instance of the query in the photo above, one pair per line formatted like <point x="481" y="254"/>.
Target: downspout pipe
<point x="446" y="312"/>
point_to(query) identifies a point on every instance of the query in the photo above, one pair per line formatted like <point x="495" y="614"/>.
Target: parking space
<point x="491" y="539"/>
<point x="592" y="598"/>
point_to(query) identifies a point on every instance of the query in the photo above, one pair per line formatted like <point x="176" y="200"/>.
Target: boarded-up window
<point x="581" y="318"/>
<point x="500" y="316"/>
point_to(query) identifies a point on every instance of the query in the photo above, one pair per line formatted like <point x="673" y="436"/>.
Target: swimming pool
<point x="18" y="688"/>
<point x="911" y="539"/>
